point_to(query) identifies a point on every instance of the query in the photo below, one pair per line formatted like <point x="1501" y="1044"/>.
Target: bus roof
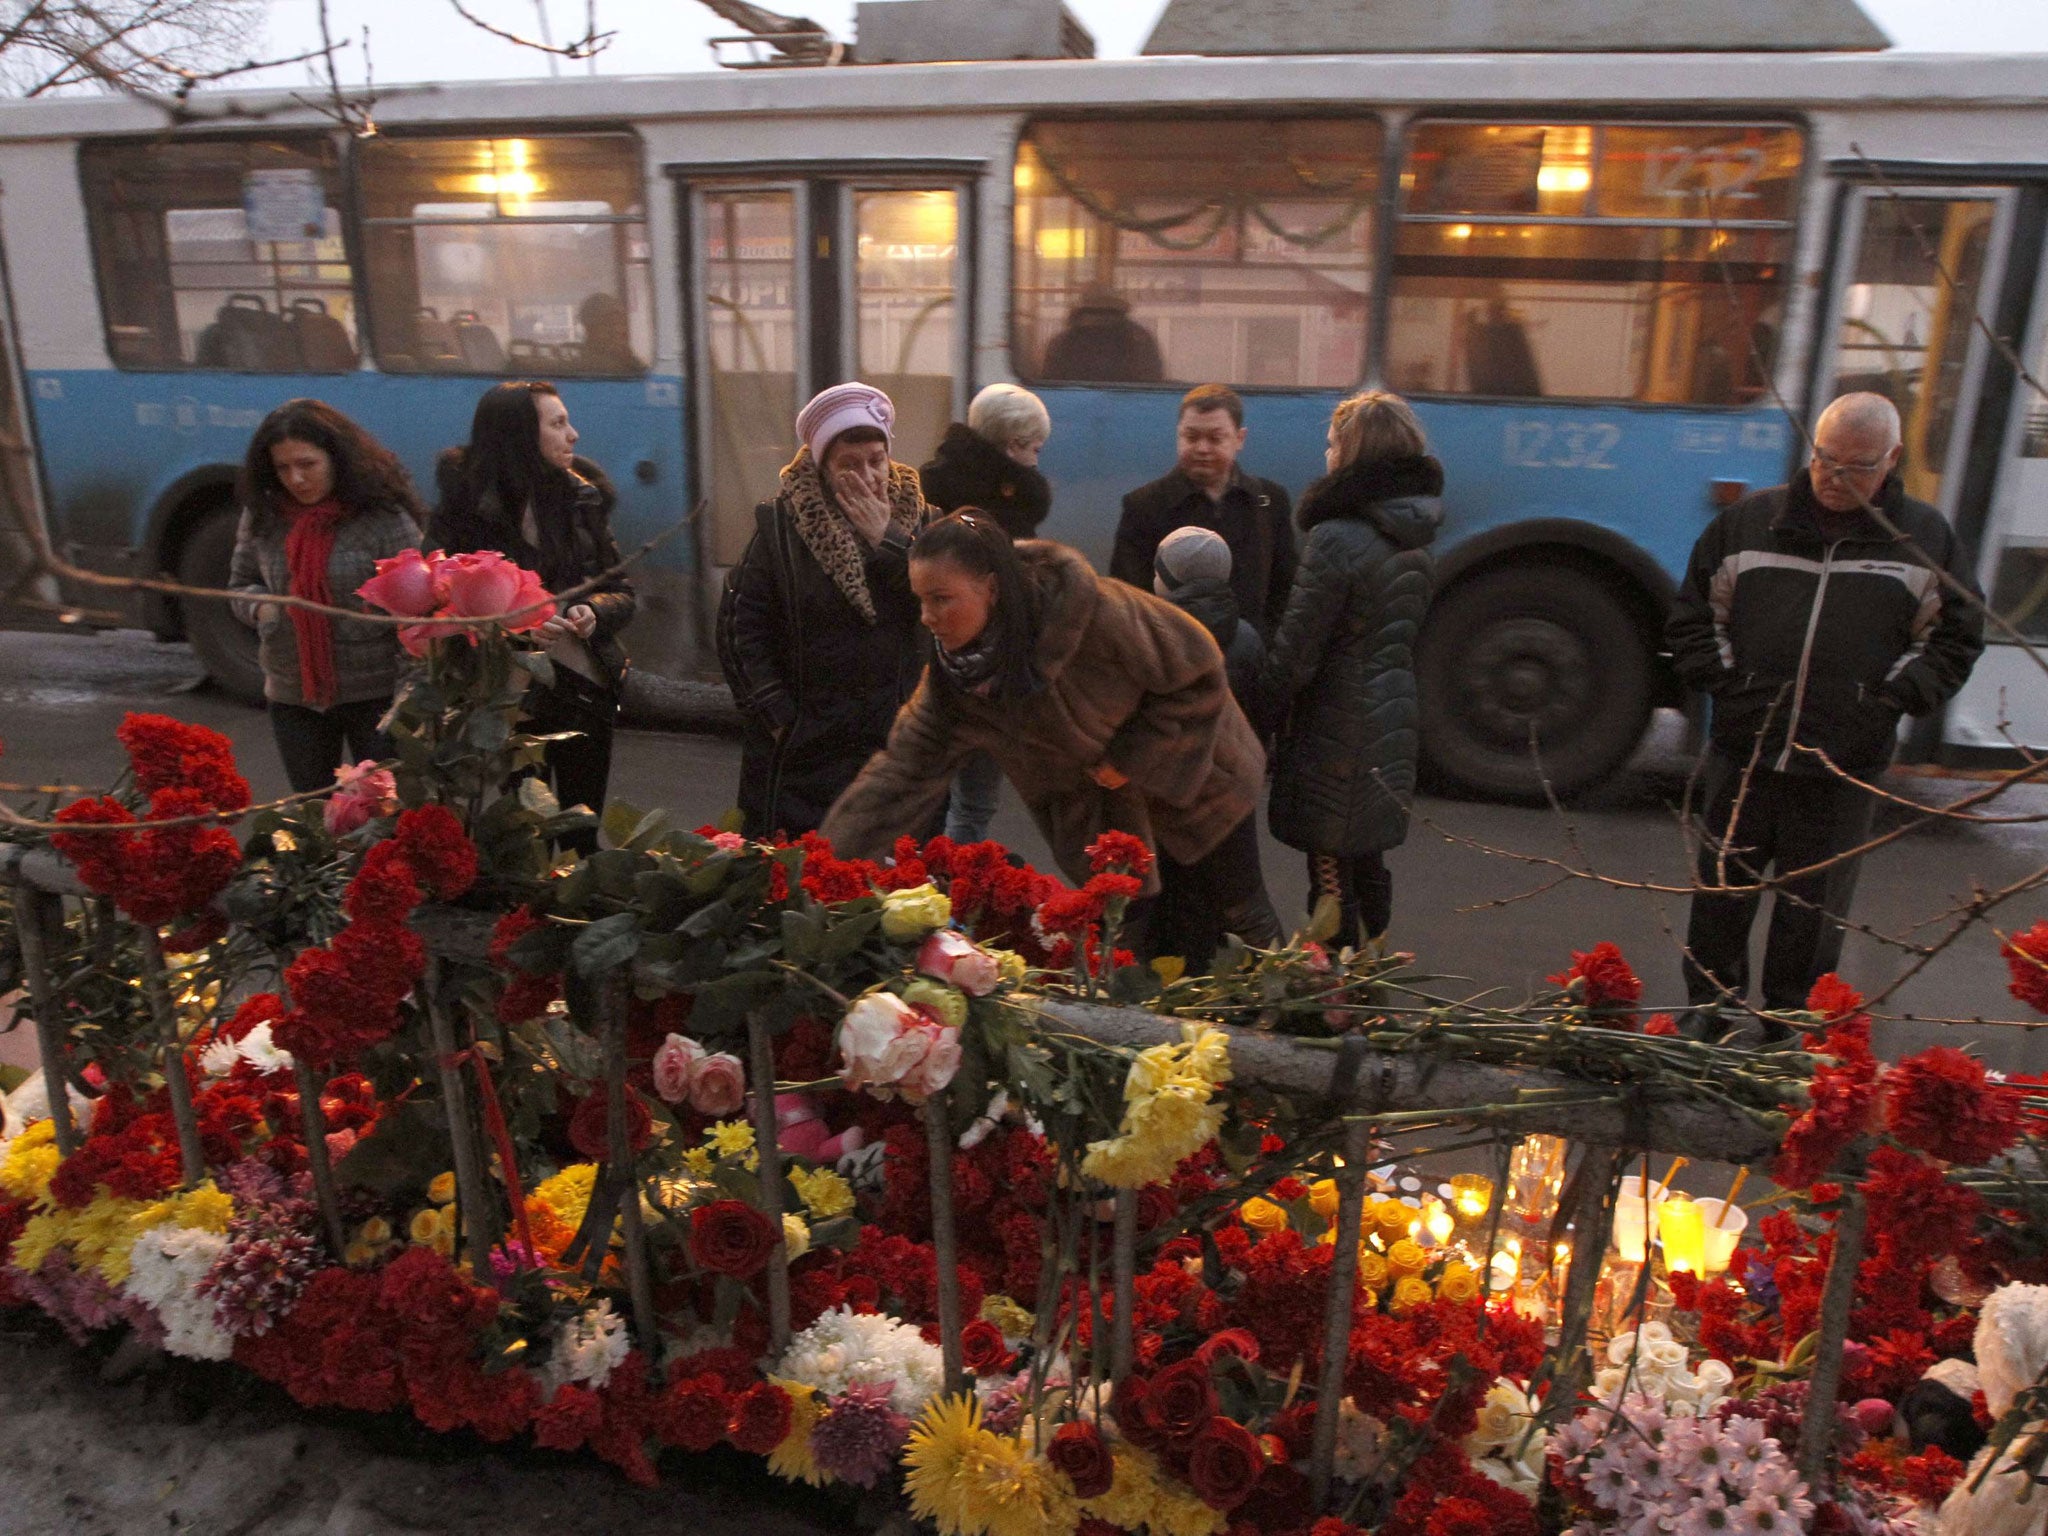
<point x="1775" y="81"/>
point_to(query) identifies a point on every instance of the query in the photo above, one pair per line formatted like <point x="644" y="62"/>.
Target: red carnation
<point x="1601" y="978"/>
<point x="1459" y="1517"/>
<point x="590" y="1126"/>
<point x="1842" y="1107"/>
<point x="439" y="849"/>
<point x="730" y="1237"/>
<point x="170" y="754"/>
<point x="1240" y="1342"/>
<point x="1225" y="1463"/>
<point x="761" y="1417"/>
<point x="1181" y="1400"/>
<point x="982" y="1349"/>
<point x="1931" y="1476"/>
<point x="385" y="888"/>
<point x="694" y="1412"/>
<point x="2026" y="956"/>
<point x="1119" y="851"/>
<point x="1078" y="1449"/>
<point x="1941" y="1103"/>
<point x="570" y="1418"/>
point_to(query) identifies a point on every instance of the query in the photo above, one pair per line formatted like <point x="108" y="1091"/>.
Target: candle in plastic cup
<point x="1720" y="1242"/>
<point x="1632" y="1220"/>
<point x="1472" y="1193"/>
<point x="1682" y="1230"/>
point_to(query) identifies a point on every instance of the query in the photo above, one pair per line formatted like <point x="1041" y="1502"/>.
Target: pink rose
<point x="941" y="1062"/>
<point x="728" y="842"/>
<point x="418" y="639"/>
<point x="718" y="1085"/>
<point x="675" y="1063"/>
<point x="404" y="584"/>
<point x="361" y="794"/>
<point x="531" y="592"/>
<point x="951" y="956"/>
<point x="480" y="583"/>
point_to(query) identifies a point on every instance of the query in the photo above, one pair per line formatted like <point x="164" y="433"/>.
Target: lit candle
<point x="1632" y="1216"/>
<point x="1440" y="1222"/>
<point x="1682" y="1230"/>
<point x="1472" y="1193"/>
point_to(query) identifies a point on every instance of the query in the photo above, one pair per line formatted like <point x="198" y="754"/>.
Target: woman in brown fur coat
<point x="1105" y="706"/>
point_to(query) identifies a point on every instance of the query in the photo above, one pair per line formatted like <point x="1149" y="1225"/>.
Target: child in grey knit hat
<point x="1192" y="571"/>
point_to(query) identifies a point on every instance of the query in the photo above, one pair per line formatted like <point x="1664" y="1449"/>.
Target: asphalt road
<point x="1480" y="916"/>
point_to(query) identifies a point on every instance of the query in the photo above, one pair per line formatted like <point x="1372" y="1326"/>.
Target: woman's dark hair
<point x="975" y="542"/>
<point x="503" y="454"/>
<point x="855" y="435"/>
<point x="367" y="475"/>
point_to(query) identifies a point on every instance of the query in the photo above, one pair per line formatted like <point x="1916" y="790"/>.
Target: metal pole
<point x="639" y="1279"/>
<point x="761" y="1061"/>
<point x="1338" y="1303"/>
<point x="31" y="909"/>
<point x="191" y="1154"/>
<point x="938" y="1135"/>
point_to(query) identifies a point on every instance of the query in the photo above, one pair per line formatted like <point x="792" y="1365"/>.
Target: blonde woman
<point x="1338" y="682"/>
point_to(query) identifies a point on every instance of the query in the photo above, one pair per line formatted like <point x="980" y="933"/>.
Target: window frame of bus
<point x="1786" y="230"/>
<point x="365" y="173"/>
<point x="98" y="186"/>
<point x="1377" y="211"/>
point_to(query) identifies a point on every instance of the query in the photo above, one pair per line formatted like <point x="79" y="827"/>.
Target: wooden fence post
<point x="32" y="908"/>
<point x="1124" y="1276"/>
<point x="625" y="1170"/>
<point x="156" y="987"/>
<point x="938" y="1135"/>
<point x="472" y="1189"/>
<point x="1337" y="1303"/>
<point x="767" y="1142"/>
<point x="1837" y="1297"/>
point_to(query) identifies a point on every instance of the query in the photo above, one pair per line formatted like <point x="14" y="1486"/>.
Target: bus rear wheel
<point x="225" y="645"/>
<point x="1537" y="664"/>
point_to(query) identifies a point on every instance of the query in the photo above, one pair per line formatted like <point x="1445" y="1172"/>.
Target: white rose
<point x="1714" y="1376"/>
<point x="866" y="1032"/>
<point x="1655" y="1333"/>
<point x="1665" y="1354"/>
<point x="1620" y="1347"/>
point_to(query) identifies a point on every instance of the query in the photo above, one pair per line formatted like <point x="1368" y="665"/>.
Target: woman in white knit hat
<point x="818" y="634"/>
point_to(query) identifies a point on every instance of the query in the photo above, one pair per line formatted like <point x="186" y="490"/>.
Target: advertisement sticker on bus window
<point x="284" y="204"/>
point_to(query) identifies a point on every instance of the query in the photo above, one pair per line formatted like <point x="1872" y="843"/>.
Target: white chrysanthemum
<point x="164" y="1270"/>
<point x="256" y="1048"/>
<point x="587" y="1349"/>
<point x="844" y="1348"/>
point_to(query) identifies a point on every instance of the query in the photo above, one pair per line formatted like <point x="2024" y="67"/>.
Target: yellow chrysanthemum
<point x="796" y="1236"/>
<point x="1458" y="1283"/>
<point x="1139" y="1498"/>
<point x="824" y="1193"/>
<point x="730" y="1138"/>
<point x="31" y="1162"/>
<point x="38" y="1236"/>
<point x="206" y="1208"/>
<point x="442" y="1189"/>
<point x="1262" y="1215"/>
<point x="1406" y="1257"/>
<point x="1029" y="1498"/>
<point x="1208" y="1052"/>
<point x="939" y="1462"/>
<point x="1322" y="1198"/>
<point x="792" y="1460"/>
<point x="1008" y="1315"/>
<point x="567" y="1194"/>
<point x="698" y="1161"/>
<point x="1410" y="1292"/>
<point x="1012" y="966"/>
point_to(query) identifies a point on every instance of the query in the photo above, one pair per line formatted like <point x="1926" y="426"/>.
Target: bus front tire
<point x="226" y="646"/>
<point x="1548" y="652"/>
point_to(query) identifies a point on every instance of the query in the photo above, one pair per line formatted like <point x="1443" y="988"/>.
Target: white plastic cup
<point x="1724" y="1239"/>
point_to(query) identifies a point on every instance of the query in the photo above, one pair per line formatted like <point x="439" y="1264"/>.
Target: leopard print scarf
<point x="831" y="539"/>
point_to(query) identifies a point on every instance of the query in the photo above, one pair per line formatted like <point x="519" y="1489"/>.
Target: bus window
<point x="221" y="253"/>
<point x="509" y="257"/>
<point x="1233" y="250"/>
<point x="1592" y="260"/>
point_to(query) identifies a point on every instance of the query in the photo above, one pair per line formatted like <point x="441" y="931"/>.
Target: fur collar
<point x="1360" y="485"/>
<point x="831" y="539"/>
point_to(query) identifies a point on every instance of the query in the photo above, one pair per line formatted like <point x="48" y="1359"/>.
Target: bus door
<point x="801" y="281"/>
<point x="1915" y="295"/>
<point x="2006" y="700"/>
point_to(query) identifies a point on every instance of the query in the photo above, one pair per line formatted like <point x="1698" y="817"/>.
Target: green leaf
<point x="534" y="795"/>
<point x="487" y="730"/>
<point x="645" y="832"/>
<point x="620" y="818"/>
<point x="803" y="936"/>
<point x="1322" y="923"/>
<point x="538" y="665"/>
<point x="607" y="944"/>
<point x="849" y="933"/>
<point x="579" y="1054"/>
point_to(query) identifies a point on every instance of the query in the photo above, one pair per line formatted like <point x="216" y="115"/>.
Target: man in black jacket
<point x="1814" y="615"/>
<point x="1207" y="489"/>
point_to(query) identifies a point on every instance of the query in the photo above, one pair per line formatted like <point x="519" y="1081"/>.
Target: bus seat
<point x="246" y="337"/>
<point x="435" y="340"/>
<point x="323" y="342"/>
<point x="478" y="343"/>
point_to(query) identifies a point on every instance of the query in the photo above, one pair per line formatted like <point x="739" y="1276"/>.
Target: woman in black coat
<point x="819" y="635"/>
<point x="520" y="488"/>
<point x="1339" y="677"/>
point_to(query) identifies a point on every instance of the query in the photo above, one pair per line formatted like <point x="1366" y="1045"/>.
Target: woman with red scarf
<point x="322" y="503"/>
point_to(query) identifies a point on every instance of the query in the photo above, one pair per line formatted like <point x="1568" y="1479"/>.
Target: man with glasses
<point x="1814" y="615"/>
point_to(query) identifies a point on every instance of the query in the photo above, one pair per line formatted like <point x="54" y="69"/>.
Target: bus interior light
<point x="1564" y="178"/>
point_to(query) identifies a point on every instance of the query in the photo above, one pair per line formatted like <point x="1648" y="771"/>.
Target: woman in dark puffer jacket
<point x="1339" y="677"/>
<point x="519" y="487"/>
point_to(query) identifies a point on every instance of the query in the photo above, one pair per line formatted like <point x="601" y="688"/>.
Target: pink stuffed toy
<point x="802" y="1130"/>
